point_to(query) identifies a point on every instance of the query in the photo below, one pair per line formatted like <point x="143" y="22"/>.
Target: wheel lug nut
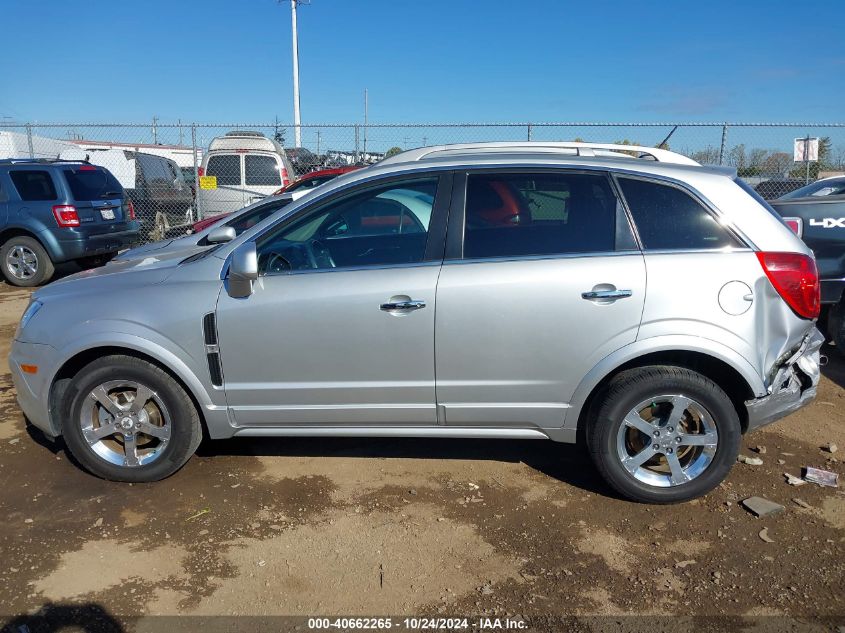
<point x="678" y="440"/>
<point x="656" y="446"/>
<point x="656" y="434"/>
<point x="671" y="430"/>
<point x="669" y="450"/>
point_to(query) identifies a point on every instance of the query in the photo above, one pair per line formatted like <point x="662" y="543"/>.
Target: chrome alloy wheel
<point x="21" y="262"/>
<point x="125" y="423"/>
<point x="667" y="440"/>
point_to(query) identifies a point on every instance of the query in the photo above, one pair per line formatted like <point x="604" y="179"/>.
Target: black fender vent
<point x="209" y="329"/>
<point x="215" y="370"/>
<point x="212" y="352"/>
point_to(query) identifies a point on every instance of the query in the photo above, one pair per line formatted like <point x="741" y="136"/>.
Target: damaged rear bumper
<point x="793" y="386"/>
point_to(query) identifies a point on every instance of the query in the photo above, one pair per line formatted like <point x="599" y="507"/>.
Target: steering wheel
<point x="276" y="263"/>
<point x="319" y="255"/>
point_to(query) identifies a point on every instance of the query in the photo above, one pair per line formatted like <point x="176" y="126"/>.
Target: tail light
<point x="285" y="179"/>
<point x="796" y="225"/>
<point x="796" y="279"/>
<point x="130" y="210"/>
<point x="200" y="172"/>
<point x="66" y="215"/>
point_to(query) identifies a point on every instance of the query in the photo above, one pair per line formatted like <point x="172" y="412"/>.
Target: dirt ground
<point x="307" y="527"/>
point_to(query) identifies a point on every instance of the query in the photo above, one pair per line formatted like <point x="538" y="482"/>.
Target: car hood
<point x="159" y="249"/>
<point x="120" y="276"/>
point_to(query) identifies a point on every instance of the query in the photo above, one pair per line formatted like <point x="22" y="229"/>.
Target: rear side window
<point x="669" y="218"/>
<point x="88" y="183"/>
<point x="511" y="215"/>
<point x="33" y="185"/>
<point x="227" y="169"/>
<point x="262" y="171"/>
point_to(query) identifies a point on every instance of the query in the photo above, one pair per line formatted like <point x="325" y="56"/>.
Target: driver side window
<point x="379" y="226"/>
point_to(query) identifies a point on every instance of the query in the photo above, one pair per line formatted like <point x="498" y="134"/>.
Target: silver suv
<point x="520" y="291"/>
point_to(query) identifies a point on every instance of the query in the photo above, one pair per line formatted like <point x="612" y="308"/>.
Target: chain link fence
<point x="173" y="180"/>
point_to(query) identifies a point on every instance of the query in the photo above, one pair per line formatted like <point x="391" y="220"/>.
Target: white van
<point x="248" y="166"/>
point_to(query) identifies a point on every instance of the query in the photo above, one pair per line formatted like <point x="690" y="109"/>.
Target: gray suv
<point x="56" y="211"/>
<point x="519" y="291"/>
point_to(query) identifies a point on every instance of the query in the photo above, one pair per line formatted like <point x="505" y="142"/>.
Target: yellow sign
<point x="208" y="182"/>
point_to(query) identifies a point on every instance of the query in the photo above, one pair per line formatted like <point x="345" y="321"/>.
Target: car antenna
<point x="666" y="140"/>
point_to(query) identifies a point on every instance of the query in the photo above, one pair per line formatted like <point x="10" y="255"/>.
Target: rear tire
<point x="25" y="262"/>
<point x="115" y="440"/>
<point x="663" y="434"/>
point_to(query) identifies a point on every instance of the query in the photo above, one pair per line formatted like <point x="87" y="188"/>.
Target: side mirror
<point x="221" y="234"/>
<point x="243" y="270"/>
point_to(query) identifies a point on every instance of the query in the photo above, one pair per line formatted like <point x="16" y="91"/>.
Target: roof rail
<point x="43" y="161"/>
<point x="580" y="149"/>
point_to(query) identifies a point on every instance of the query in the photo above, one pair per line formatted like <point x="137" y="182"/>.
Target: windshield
<point x="246" y="221"/>
<point x="818" y="189"/>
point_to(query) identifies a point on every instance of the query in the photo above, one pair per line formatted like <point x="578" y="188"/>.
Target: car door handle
<point x="412" y="304"/>
<point x="594" y="295"/>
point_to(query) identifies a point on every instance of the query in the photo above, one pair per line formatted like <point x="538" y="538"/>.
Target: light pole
<point x="297" y="130"/>
<point x="365" y="124"/>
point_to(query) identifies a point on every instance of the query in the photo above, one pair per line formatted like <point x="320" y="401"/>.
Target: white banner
<point x="812" y="150"/>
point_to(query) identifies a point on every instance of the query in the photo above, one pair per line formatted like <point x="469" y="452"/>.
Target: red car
<point x="207" y="222"/>
<point x="315" y="178"/>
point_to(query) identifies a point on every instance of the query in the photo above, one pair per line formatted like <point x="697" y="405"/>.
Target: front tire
<point x="25" y="262"/>
<point x="126" y="419"/>
<point x="663" y="434"/>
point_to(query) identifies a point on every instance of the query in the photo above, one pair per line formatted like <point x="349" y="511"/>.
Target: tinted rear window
<point x="512" y="215"/>
<point x="668" y="218"/>
<point x="820" y="188"/>
<point x="92" y="184"/>
<point x="33" y="185"/>
<point x="262" y="171"/>
<point x="227" y="169"/>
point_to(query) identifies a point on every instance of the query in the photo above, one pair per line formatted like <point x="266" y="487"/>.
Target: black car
<point x="817" y="213"/>
<point x="55" y="211"/>
<point x="303" y="160"/>
<point x="772" y="189"/>
<point x="162" y="197"/>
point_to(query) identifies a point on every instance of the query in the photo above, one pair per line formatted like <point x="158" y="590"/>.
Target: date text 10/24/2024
<point x="418" y="624"/>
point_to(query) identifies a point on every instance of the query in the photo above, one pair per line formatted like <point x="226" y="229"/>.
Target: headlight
<point x="30" y="311"/>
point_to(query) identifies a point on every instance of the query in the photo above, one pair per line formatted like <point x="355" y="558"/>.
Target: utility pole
<point x="155" y="130"/>
<point x="318" y="143"/>
<point x="297" y="130"/>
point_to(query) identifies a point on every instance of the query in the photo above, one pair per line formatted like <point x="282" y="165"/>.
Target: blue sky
<point x="432" y="60"/>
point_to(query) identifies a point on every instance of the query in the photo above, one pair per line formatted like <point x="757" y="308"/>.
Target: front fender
<point x="148" y="342"/>
<point x="674" y="343"/>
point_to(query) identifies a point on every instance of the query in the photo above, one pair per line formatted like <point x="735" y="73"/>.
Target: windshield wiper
<point x="202" y="254"/>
